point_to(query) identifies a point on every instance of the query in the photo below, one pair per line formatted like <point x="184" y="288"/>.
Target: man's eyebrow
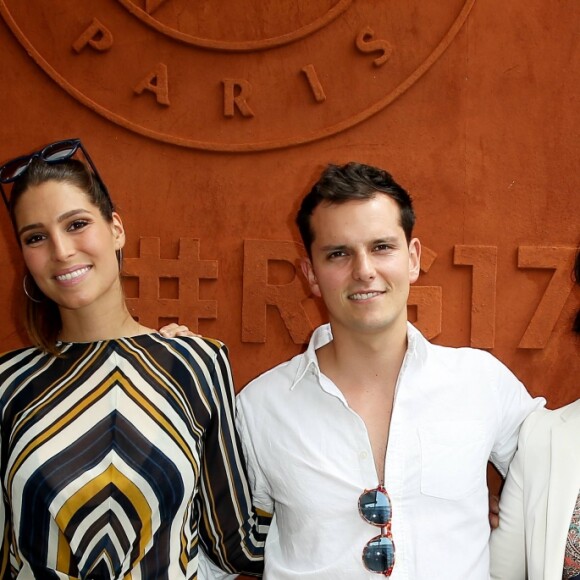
<point x="386" y="240"/>
<point x="383" y="240"/>
<point x="334" y="247"/>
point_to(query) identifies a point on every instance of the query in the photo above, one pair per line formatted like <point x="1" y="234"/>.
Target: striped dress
<point x="119" y="458"/>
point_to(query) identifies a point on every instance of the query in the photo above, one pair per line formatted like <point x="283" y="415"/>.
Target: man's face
<point x="361" y="264"/>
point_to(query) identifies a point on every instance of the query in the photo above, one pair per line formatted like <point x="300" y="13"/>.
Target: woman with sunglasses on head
<point x="118" y="452"/>
<point x="538" y="537"/>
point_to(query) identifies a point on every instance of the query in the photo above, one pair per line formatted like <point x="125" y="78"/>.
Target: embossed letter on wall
<point x="203" y="75"/>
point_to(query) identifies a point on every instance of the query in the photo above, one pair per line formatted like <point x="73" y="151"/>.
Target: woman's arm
<point x="508" y="541"/>
<point x="6" y="531"/>
<point x="508" y="549"/>
<point x="231" y="532"/>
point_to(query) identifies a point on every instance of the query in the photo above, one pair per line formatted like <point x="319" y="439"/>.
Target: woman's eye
<point x="78" y="225"/>
<point x="33" y="239"/>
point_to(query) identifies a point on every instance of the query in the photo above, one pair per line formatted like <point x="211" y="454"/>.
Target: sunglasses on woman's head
<point x="56" y="152"/>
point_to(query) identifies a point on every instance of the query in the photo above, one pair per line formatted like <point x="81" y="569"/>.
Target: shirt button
<point x="363" y="454"/>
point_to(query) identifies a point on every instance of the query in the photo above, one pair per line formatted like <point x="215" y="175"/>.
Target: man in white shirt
<point x="371" y="447"/>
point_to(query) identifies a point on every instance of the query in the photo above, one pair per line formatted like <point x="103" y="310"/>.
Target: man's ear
<point x="118" y="231"/>
<point x="308" y="271"/>
<point x="414" y="260"/>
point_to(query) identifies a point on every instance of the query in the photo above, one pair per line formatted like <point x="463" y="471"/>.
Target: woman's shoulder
<point x="193" y="340"/>
<point x="16" y="366"/>
<point x="572" y="409"/>
<point x="190" y="358"/>
<point x="16" y="356"/>
<point x="198" y="347"/>
<point x="543" y="420"/>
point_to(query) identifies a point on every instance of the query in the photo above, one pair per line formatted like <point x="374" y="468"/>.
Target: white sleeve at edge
<point x="258" y="482"/>
<point x="207" y="570"/>
<point x="515" y="404"/>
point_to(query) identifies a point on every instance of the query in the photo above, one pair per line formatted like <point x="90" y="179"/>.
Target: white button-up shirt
<point x="309" y="458"/>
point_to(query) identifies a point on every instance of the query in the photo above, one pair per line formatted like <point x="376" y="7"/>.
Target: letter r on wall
<point x="259" y="293"/>
<point x="236" y="93"/>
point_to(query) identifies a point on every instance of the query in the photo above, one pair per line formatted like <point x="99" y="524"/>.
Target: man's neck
<point x="354" y="357"/>
<point x="366" y="368"/>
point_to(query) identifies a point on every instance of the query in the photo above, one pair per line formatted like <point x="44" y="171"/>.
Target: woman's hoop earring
<point x="30" y="297"/>
<point x="120" y="258"/>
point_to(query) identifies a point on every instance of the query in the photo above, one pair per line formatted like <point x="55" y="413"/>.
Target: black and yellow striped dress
<point x="118" y="458"/>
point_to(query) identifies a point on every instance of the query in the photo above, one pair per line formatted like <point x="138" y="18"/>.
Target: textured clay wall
<point x="209" y="121"/>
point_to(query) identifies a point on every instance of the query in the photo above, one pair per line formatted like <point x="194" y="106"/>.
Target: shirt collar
<point x="417" y="346"/>
<point x="321" y="336"/>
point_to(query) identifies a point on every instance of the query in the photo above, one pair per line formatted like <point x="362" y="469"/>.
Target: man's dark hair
<point x="353" y="181"/>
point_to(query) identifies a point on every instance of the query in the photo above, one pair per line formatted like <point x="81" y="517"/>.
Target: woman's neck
<point x="86" y="326"/>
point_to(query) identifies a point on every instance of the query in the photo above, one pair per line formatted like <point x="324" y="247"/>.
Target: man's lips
<point x="365" y="295"/>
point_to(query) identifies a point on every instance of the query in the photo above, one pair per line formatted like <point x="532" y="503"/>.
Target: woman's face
<point x="68" y="246"/>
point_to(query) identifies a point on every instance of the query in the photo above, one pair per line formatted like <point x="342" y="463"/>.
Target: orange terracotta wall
<point x="209" y="121"/>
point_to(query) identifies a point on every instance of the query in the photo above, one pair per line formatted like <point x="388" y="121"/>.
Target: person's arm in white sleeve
<point x="514" y="405"/>
<point x="508" y="544"/>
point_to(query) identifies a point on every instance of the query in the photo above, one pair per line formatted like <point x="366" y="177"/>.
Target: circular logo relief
<point x="235" y="75"/>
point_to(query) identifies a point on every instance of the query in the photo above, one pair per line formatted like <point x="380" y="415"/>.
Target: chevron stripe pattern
<point x="118" y="458"/>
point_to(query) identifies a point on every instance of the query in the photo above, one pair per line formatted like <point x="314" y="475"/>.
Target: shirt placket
<point x="396" y="458"/>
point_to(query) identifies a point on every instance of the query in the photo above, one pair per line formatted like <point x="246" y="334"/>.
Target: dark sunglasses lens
<point x="379" y="555"/>
<point x="14" y="169"/>
<point x="59" y="151"/>
<point x="375" y="507"/>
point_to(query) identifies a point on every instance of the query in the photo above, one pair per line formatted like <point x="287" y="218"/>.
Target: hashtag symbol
<point x="150" y="269"/>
